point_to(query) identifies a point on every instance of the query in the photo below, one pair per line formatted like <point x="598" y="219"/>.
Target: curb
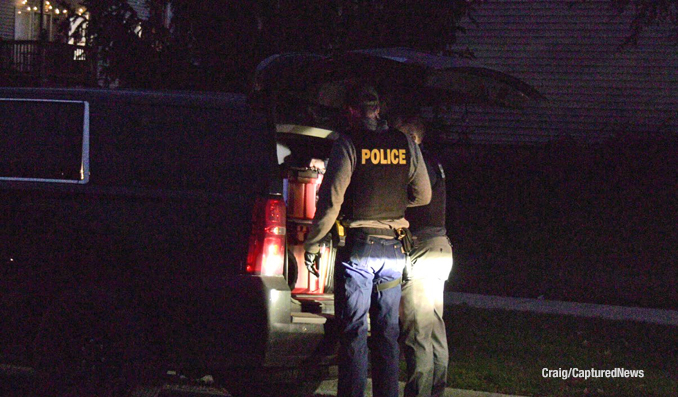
<point x="329" y="389"/>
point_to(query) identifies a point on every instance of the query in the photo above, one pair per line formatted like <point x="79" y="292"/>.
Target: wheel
<point x="82" y="349"/>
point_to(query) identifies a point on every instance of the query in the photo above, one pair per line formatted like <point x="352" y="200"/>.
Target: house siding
<point x="7" y="19"/>
<point x="570" y="53"/>
<point x="140" y="7"/>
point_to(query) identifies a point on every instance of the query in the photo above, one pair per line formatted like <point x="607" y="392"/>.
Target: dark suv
<point x="142" y="232"/>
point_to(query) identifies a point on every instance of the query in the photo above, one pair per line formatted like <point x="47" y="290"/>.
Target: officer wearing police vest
<point x="430" y="262"/>
<point x="373" y="175"/>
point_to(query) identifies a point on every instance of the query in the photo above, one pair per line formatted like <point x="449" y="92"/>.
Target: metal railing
<point x="36" y="63"/>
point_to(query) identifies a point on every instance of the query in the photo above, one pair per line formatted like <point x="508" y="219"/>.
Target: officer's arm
<point x="431" y="169"/>
<point x="419" y="191"/>
<point x="331" y="194"/>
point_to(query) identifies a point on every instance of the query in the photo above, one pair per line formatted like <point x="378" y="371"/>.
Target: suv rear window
<point x="44" y="140"/>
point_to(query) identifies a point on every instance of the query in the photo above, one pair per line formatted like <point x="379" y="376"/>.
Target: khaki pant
<point x="421" y="317"/>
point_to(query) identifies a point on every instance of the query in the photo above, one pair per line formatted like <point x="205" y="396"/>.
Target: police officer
<point x="373" y="174"/>
<point x="430" y="262"/>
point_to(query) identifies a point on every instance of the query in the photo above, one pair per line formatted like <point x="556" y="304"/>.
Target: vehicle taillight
<point x="266" y="254"/>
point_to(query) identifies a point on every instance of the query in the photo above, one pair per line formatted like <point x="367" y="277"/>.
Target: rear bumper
<point x="265" y="334"/>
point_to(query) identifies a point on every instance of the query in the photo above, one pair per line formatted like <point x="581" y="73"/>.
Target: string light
<point x="49" y="8"/>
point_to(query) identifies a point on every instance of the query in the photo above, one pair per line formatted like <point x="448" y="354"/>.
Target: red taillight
<point x="266" y="254"/>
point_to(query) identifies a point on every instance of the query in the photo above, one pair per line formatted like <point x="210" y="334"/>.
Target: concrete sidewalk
<point x="655" y="316"/>
<point x="329" y="388"/>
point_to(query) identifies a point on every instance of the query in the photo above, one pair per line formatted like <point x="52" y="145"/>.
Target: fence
<point x="27" y="62"/>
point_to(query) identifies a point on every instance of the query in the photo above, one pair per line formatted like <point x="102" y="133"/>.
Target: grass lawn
<point x="507" y="351"/>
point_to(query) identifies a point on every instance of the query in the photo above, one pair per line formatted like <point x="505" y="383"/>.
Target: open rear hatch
<point x="303" y="94"/>
<point x="302" y="155"/>
<point x="308" y="89"/>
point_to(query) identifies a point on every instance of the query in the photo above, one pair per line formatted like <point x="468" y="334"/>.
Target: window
<point x="26" y="24"/>
<point x="27" y="19"/>
<point x="44" y="140"/>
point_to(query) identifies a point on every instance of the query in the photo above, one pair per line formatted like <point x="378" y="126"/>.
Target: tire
<point x="83" y="349"/>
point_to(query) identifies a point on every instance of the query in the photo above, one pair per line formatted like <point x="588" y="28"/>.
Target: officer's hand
<point x="312" y="262"/>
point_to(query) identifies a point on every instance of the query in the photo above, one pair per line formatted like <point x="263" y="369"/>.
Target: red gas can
<point x="302" y="191"/>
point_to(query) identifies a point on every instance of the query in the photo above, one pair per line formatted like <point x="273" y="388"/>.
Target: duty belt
<point x="402" y="234"/>
<point x="373" y="231"/>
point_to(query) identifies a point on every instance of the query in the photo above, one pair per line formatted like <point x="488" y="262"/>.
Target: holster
<point x="338" y="234"/>
<point x="405" y="237"/>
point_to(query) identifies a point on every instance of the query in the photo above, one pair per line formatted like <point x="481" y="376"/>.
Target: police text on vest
<point x="383" y="156"/>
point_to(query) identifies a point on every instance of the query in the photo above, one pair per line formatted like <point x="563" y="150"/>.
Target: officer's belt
<point x="388" y="285"/>
<point x="373" y="231"/>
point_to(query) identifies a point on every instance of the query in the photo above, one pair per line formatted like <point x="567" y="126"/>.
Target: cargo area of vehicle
<point x="302" y="156"/>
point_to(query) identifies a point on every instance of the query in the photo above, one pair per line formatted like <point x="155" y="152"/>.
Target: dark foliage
<point x="217" y="44"/>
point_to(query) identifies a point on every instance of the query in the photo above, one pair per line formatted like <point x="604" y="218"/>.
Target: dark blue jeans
<point x="368" y="261"/>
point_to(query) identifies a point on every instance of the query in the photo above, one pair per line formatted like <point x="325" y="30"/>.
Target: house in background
<point x="35" y="49"/>
<point x="55" y="57"/>
<point x="25" y="16"/>
<point x="570" y="51"/>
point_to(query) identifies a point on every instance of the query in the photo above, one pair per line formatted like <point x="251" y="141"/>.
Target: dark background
<point x="566" y="220"/>
<point x="590" y="222"/>
<point x="216" y="44"/>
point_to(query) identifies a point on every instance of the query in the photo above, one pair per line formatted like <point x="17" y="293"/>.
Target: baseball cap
<point x="362" y="96"/>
